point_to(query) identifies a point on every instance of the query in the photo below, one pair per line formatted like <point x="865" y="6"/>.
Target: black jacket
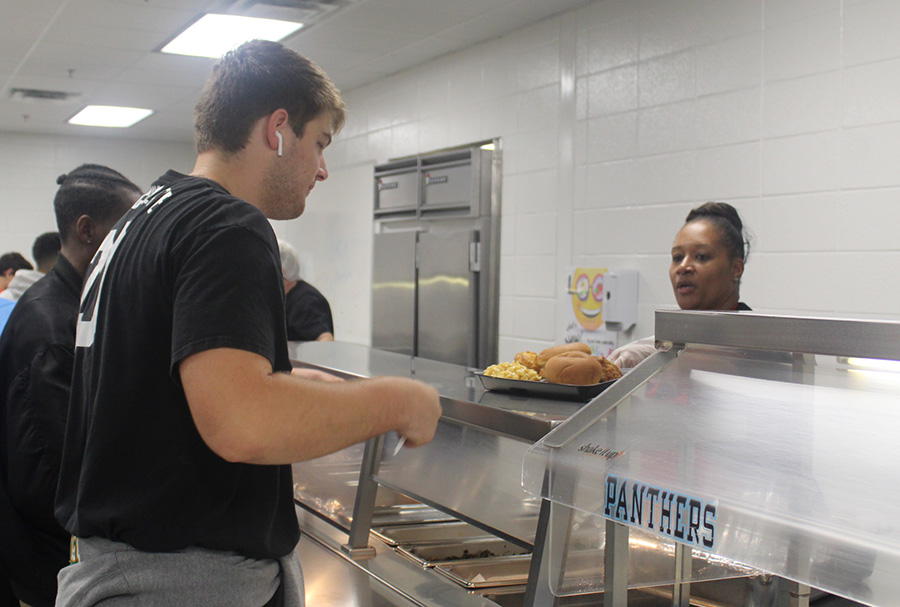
<point x="36" y="356"/>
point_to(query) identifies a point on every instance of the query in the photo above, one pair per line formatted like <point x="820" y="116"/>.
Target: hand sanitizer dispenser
<point x="620" y="306"/>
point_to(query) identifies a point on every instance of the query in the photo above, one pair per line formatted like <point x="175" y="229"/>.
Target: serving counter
<point x="460" y="492"/>
<point x="749" y="462"/>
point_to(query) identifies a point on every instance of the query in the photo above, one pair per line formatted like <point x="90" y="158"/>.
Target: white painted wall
<point x="333" y="238"/>
<point x="30" y="164"/>
<point x="619" y="117"/>
<point x="616" y="119"/>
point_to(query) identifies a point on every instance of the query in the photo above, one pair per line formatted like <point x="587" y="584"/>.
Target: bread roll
<point x="573" y="367"/>
<point x="528" y="359"/>
<point x="549" y="353"/>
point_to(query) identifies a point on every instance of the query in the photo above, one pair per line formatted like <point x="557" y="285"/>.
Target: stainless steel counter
<point x="462" y="397"/>
<point x="387" y="580"/>
<point x="471" y="470"/>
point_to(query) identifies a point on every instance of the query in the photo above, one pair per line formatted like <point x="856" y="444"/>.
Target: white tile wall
<point x="668" y="128"/>
<point x="611" y="137"/>
<point x="611" y="43"/>
<point x="667" y="27"/>
<point x="870" y="93"/>
<point x="532" y="319"/>
<point x="30" y="164"/>
<point x="805" y="46"/>
<point x="728" y="172"/>
<point x="870" y="31"/>
<point x="665" y="178"/>
<point x="731" y="64"/>
<point x="788" y="109"/>
<point x="536" y="234"/>
<point x="611" y="184"/>
<point x="784" y="11"/>
<point x="724" y="19"/>
<point x="666" y="79"/>
<point x="729" y="117"/>
<point x="809" y="222"/>
<point x="340" y="205"/>
<point x="805" y="163"/>
<point x="802" y="105"/>
<point x="612" y="91"/>
<point x="860" y="211"/>
<point x="869" y="156"/>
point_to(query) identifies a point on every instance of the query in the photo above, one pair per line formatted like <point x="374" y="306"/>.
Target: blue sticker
<point x="686" y="519"/>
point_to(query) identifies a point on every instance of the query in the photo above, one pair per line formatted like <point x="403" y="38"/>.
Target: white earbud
<point x="280" y="142"/>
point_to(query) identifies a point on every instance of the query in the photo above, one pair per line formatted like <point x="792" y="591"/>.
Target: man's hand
<point x="425" y="411"/>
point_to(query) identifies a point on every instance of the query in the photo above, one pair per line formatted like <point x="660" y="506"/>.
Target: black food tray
<point x="543" y="389"/>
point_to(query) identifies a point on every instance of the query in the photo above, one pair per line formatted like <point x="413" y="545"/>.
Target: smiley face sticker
<point x="587" y="297"/>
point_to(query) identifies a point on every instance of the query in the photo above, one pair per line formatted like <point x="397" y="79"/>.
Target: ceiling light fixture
<point x="213" y="35"/>
<point x="109" y="116"/>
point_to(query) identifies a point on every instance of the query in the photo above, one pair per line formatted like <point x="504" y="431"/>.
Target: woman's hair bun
<point x="726" y="218"/>
<point x="721" y="210"/>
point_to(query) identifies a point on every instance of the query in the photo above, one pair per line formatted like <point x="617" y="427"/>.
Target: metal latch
<point x="475" y="257"/>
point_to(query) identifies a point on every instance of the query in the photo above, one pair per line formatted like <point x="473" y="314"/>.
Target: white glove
<point x="631" y="354"/>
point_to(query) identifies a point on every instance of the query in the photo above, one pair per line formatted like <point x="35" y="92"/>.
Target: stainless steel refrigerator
<point x="435" y="279"/>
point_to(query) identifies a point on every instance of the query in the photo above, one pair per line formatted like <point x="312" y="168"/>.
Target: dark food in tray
<point x="501" y="571"/>
<point x="429" y="555"/>
<point x="428" y="533"/>
<point x="543" y="388"/>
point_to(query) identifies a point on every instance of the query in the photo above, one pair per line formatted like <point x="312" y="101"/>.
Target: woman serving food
<point x="708" y="258"/>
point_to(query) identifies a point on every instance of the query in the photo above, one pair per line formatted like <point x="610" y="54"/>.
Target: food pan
<point x="428" y="533"/>
<point x="485" y="573"/>
<point x="429" y="555"/>
<point x="543" y="389"/>
<point x="383" y="516"/>
<point x="405" y="514"/>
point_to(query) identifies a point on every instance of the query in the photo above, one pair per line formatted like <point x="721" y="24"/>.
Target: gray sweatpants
<point x="121" y="576"/>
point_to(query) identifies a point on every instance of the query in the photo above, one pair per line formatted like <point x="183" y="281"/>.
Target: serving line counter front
<point x="403" y="516"/>
<point x="769" y="441"/>
<point x="751" y="462"/>
<point x="448" y="523"/>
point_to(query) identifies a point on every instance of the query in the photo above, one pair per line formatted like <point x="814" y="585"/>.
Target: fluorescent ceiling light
<point x="214" y="35"/>
<point x="109" y="115"/>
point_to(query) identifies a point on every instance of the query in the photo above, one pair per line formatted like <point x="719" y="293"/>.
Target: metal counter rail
<point x="463" y="399"/>
<point x="482" y="434"/>
<point x="837" y="337"/>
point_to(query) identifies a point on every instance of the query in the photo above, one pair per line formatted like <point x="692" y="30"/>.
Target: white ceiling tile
<point x="146" y="16"/>
<point x="109" y="45"/>
<point x="419" y="20"/>
<point x="368" y="40"/>
<point x="63" y="56"/>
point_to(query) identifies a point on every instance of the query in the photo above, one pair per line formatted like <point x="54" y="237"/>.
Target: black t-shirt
<point x="189" y="268"/>
<point x="308" y="313"/>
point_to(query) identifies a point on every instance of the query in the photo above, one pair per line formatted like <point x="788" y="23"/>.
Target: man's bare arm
<point x="247" y="413"/>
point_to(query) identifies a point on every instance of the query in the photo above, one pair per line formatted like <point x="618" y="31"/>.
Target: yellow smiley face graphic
<point x="587" y="297"/>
